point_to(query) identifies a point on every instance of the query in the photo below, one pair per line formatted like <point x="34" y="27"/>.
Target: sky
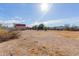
<point x="56" y="14"/>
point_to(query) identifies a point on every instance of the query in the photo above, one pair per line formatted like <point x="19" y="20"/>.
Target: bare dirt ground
<point x="42" y="43"/>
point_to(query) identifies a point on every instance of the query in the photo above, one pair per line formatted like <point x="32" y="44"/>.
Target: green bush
<point x="41" y="27"/>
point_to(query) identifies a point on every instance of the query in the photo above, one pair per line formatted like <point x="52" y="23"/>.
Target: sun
<point x="44" y="7"/>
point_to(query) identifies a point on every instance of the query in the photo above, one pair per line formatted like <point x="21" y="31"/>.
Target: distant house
<point x="20" y="26"/>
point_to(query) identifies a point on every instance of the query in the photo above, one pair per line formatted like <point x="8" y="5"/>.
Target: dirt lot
<point x="42" y="43"/>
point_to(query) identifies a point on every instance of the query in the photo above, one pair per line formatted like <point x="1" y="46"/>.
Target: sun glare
<point x="44" y="7"/>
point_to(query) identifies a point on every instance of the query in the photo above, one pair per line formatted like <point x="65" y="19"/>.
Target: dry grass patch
<point x="69" y="34"/>
<point x="6" y="35"/>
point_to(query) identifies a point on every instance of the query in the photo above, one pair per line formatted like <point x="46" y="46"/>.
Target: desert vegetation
<point x="12" y="33"/>
<point x="65" y="27"/>
<point x="7" y="34"/>
<point x="40" y="40"/>
<point x="42" y="43"/>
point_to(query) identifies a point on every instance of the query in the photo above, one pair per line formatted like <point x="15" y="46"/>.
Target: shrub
<point x="35" y="27"/>
<point x="41" y="27"/>
<point x="66" y="27"/>
<point x="6" y="35"/>
<point x="45" y="28"/>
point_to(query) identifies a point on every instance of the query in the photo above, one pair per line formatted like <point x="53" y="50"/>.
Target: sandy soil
<point x="41" y="43"/>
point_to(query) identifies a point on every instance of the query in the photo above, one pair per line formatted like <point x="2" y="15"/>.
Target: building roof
<point x="20" y="25"/>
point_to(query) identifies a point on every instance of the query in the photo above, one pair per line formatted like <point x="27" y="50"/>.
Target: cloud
<point x="48" y="22"/>
<point x="11" y="21"/>
<point x="53" y="22"/>
<point x="59" y="22"/>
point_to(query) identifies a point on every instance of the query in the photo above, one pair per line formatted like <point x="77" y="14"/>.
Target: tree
<point x="45" y="28"/>
<point x="41" y="27"/>
<point x="66" y="27"/>
<point x="74" y="28"/>
<point x="35" y="27"/>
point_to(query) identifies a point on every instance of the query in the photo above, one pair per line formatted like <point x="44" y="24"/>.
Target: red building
<point x="20" y="26"/>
